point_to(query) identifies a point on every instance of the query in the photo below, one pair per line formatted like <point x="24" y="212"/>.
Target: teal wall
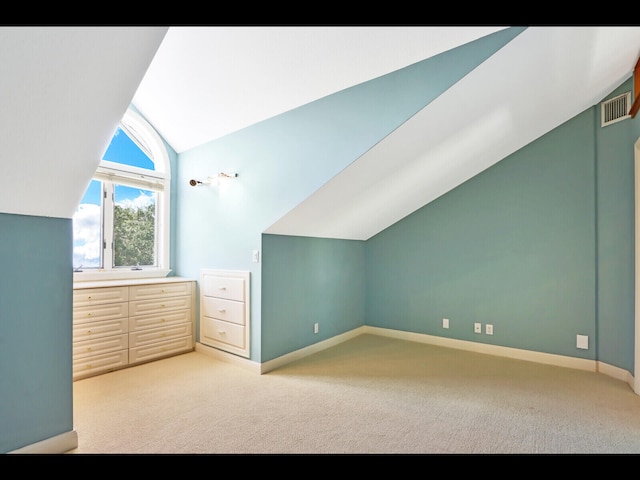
<point x="36" y="398"/>
<point x="308" y="280"/>
<point x="513" y="247"/>
<point x="541" y="245"/>
<point x="615" y="246"/>
<point x="173" y="206"/>
<point x="281" y="161"/>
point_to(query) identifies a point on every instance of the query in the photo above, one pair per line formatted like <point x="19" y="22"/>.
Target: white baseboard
<point x="515" y="353"/>
<point x="59" y="444"/>
<point x="304" y="352"/>
<point x="529" y="355"/>
<point x="616" y="372"/>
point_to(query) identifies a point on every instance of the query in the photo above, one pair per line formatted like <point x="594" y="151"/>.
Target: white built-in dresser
<point x="122" y="323"/>
<point x="225" y="310"/>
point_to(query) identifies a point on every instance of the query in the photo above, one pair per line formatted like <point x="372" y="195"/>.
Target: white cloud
<point x="86" y="234"/>
<point x="141" y="201"/>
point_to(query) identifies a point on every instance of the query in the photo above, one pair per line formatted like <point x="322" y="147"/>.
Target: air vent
<point x="615" y="109"/>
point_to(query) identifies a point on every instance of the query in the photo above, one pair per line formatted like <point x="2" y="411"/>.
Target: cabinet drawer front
<point x="161" y="290"/>
<point x="97" y="296"/>
<point x="141" y="307"/>
<point x="112" y="343"/>
<point x="155" y="335"/>
<point x="85" y="331"/>
<point x="170" y="347"/>
<point x="223" y="287"/>
<point x="228" y="310"/>
<point x="83" y="367"/>
<point x="212" y="330"/>
<point x="97" y="313"/>
<point x="143" y="322"/>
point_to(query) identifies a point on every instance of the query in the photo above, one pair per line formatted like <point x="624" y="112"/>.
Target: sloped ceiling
<point x="539" y="80"/>
<point x="235" y="77"/>
<point x="216" y="80"/>
<point x="65" y="89"/>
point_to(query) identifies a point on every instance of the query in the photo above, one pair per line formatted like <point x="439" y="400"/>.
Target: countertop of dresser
<point x="136" y="281"/>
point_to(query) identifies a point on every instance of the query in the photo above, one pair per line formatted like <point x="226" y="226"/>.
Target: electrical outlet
<point x="488" y="329"/>
<point x="477" y="328"/>
<point x="445" y="323"/>
<point x="582" y="341"/>
<point x="315" y="328"/>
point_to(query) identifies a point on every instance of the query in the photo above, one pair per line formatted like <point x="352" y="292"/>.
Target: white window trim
<point x="153" y="144"/>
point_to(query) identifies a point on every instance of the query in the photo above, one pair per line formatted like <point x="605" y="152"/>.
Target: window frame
<point x="159" y="179"/>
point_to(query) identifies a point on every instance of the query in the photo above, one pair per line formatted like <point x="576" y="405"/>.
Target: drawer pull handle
<point x="222" y="332"/>
<point x="89" y="367"/>
<point x="222" y="288"/>
<point x="162" y="305"/>
<point x="89" y="298"/>
<point x="162" y="291"/>
<point x="88" y="349"/>
<point x="162" y="320"/>
<point x="88" y="332"/>
<point x="89" y="314"/>
<point x="222" y="310"/>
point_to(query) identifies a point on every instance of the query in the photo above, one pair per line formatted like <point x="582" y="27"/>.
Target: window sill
<point x="92" y="276"/>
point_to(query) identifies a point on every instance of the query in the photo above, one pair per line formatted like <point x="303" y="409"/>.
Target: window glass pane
<point x="123" y="149"/>
<point x="134" y="227"/>
<point x="87" y="229"/>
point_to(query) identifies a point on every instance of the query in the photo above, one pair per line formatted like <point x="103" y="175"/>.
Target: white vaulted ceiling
<point x="216" y="80"/>
<point x="65" y="89"/>
<point x="539" y="80"/>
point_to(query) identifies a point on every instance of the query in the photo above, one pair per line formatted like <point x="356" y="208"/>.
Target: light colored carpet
<point x="369" y="395"/>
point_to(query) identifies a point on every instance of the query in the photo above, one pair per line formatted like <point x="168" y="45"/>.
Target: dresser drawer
<point x="170" y="347"/>
<point x="95" y="313"/>
<point x="155" y="320"/>
<point x="94" y="346"/>
<point x="154" y="335"/>
<point x="142" y="307"/>
<point x="99" y="363"/>
<point x="224" y="309"/>
<point x="85" y="331"/>
<point x="232" y="288"/>
<point x="142" y="292"/>
<point x="96" y="296"/>
<point x="220" y="331"/>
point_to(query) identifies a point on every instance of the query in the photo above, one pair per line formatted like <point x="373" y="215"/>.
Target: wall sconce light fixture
<point x="210" y="180"/>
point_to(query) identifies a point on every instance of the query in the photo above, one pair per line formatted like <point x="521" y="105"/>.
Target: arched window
<point x="121" y="227"/>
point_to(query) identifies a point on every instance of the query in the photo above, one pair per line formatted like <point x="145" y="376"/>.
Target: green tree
<point x="134" y="235"/>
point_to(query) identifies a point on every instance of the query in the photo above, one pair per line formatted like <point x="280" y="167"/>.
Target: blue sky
<point x="121" y="150"/>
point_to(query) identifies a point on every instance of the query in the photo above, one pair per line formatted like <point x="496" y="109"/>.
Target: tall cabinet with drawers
<point x="122" y="323"/>
<point x="224" y="310"/>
